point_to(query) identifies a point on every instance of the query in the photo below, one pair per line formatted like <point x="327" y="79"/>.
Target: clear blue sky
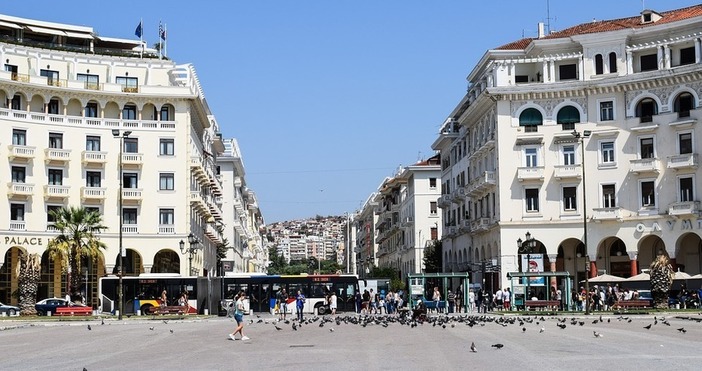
<point x="327" y="98"/>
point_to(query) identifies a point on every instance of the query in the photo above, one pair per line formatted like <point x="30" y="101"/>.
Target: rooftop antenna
<point x="643" y="5"/>
<point x="419" y="156"/>
<point x="548" y="17"/>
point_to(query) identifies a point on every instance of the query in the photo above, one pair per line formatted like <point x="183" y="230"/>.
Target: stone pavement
<point x="202" y="344"/>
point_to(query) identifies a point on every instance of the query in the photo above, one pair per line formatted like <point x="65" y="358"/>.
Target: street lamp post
<point x="191" y="250"/>
<point x="526" y="247"/>
<point x="120" y="291"/>
<point x="581" y="139"/>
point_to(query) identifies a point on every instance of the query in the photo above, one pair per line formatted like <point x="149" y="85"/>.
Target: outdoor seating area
<point x="73" y="311"/>
<point x="541" y="305"/>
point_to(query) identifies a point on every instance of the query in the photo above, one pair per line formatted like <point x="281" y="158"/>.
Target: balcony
<point x="644" y="165"/>
<point x="466" y="225"/>
<point x="459" y="195"/>
<point x="132" y="159"/>
<point x="20" y="189"/>
<point x="530" y="173"/>
<point x="567" y="172"/>
<point x="56" y="191"/>
<point x="21" y="153"/>
<point x="481" y="224"/>
<point x="94" y="157"/>
<point x="407" y="221"/>
<point x="683" y="161"/>
<point x="132" y="194"/>
<point x="482" y="183"/>
<point x="57" y="155"/>
<point x="130" y="228"/>
<point x="444" y="201"/>
<point x="198" y="167"/>
<point x="18" y="225"/>
<point x="684" y="208"/>
<point x="166" y="229"/>
<point x="197" y="201"/>
<point x="607" y="213"/>
<point x="92" y="193"/>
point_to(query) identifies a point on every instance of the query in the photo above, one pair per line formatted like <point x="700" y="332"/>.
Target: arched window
<point x="646" y="109"/>
<point x="531" y="118"/>
<point x="612" y="62"/>
<point x="568" y="116"/>
<point x="599" y="64"/>
<point x="684" y="103"/>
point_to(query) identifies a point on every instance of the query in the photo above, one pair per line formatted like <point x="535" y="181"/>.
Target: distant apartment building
<point x="587" y="139"/>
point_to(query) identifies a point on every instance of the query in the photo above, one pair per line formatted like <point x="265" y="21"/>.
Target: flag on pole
<point x="137" y="32"/>
<point x="161" y="31"/>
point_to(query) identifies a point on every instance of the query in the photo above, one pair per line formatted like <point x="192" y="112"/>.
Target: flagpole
<point x="165" y="40"/>
<point x="160" y="45"/>
<point x="141" y="37"/>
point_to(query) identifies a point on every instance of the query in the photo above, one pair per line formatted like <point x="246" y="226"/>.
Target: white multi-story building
<point x="625" y="94"/>
<point x="407" y="219"/>
<point x="82" y="114"/>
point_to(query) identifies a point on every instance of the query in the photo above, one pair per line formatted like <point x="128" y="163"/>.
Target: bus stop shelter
<point x="525" y="281"/>
<point x="421" y="285"/>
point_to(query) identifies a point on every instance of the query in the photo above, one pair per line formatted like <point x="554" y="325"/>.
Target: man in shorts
<point x="239" y="317"/>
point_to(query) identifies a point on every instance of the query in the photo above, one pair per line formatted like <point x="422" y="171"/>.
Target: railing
<point x="94" y="156"/>
<point x="130" y="228"/>
<point x="131" y="193"/>
<point x="56" y="190"/>
<point x="22" y="151"/>
<point x="93" y="192"/>
<point x="567" y="171"/>
<point x="682" y="161"/>
<point x="132" y="158"/>
<point x="530" y="173"/>
<point x="684" y="208"/>
<point x="607" y="213"/>
<point x="22" y="189"/>
<point x="166" y="229"/>
<point x="56" y="154"/>
<point x="17" y="225"/>
<point x="643" y="165"/>
<point x="41" y="117"/>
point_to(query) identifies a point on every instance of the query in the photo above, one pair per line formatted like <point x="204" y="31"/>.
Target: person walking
<point x="300" y="301"/>
<point x="332" y="303"/>
<point x="436" y="298"/>
<point x="239" y="317"/>
<point x="471" y="301"/>
<point x="282" y="302"/>
<point x="451" y="298"/>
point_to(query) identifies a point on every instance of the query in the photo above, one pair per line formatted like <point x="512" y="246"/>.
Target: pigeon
<point x="151" y="328"/>
<point x="473" y="348"/>
<point x="294" y="326"/>
<point x="597" y="334"/>
<point x="498" y="345"/>
<point x="165" y="321"/>
<point x="89" y="328"/>
<point x="102" y="321"/>
<point x="523" y="329"/>
<point x="171" y="331"/>
<point x="648" y="327"/>
<point x="682" y="329"/>
<point x="331" y="329"/>
<point x="277" y="328"/>
<point x="542" y="330"/>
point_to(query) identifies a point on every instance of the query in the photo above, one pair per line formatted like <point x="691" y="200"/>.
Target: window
<point x="685" y="143"/>
<point x="91" y="109"/>
<point x="683" y="104"/>
<point x="570" y="199"/>
<point x="55" y="177"/>
<point x="91" y="81"/>
<point x="520" y="79"/>
<point x="130" y="180"/>
<point x="93" y="179"/>
<point x="13" y="71"/>
<point x="166" y="217"/>
<point x="17" y="212"/>
<point x="56" y="140"/>
<point x="687" y="55"/>
<point x="608" y="196"/>
<point x="19" y="137"/>
<point x="686" y="189"/>
<point x="646" y="109"/>
<point x="569" y="155"/>
<point x="432" y="183"/>
<point x="568" y="71"/>
<point x="129" y="112"/>
<point x="53" y="107"/>
<point x="19" y="174"/>
<point x="612" y="62"/>
<point x="646" y="148"/>
<point x="16" y="102"/>
<point x="568" y="116"/>
<point x="131" y="145"/>
<point x="50" y="210"/>
<point x="607" y="111"/>
<point x="599" y="64"/>
<point x="92" y="209"/>
<point x="432" y="208"/>
<point x="129" y="215"/>
<point x="530" y="157"/>
<point x="129" y="84"/>
<point x="52" y="77"/>
<point x="649" y="62"/>
<point x="92" y="143"/>
<point x="530" y="118"/>
<point x="607" y="151"/>
<point x="166" y="147"/>
<point x="166" y="182"/>
<point x="648" y="193"/>
<point x="532" y="199"/>
<point x="165" y="114"/>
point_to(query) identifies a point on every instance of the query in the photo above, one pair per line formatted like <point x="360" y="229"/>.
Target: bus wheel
<point x="146" y="309"/>
<point x="320" y="310"/>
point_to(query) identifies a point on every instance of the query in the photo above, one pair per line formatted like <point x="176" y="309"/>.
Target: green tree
<point x="77" y="240"/>
<point x="277" y="262"/>
<point x="432" y="258"/>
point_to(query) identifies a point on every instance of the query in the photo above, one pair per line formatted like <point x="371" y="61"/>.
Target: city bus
<point x="142" y="294"/>
<point x="261" y="291"/>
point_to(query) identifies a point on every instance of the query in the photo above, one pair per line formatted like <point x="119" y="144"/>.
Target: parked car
<point x="9" y="310"/>
<point x="49" y="305"/>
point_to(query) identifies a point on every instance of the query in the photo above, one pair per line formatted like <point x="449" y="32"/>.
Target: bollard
<point x="48" y="313"/>
<point x="207" y="312"/>
<point x="116" y="313"/>
<point x="3" y="314"/>
<point x="138" y="312"/>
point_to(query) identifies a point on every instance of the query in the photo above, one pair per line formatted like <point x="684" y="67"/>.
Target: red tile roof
<point x="611" y="25"/>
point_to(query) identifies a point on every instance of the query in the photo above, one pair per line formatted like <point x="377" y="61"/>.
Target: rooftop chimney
<point x="541" y="30"/>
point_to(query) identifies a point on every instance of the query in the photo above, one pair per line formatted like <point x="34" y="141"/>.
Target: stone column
<point x="666" y="57"/>
<point x="552" y="261"/>
<point x="633" y="256"/>
<point x="629" y="63"/>
<point x="697" y="51"/>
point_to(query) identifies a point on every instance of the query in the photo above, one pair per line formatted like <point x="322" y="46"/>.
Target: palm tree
<point x="28" y="272"/>
<point x="661" y="281"/>
<point x="77" y="240"/>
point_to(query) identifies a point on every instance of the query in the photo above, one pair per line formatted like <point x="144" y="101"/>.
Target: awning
<point x="10" y="25"/>
<point x="78" y="35"/>
<point x="48" y="31"/>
